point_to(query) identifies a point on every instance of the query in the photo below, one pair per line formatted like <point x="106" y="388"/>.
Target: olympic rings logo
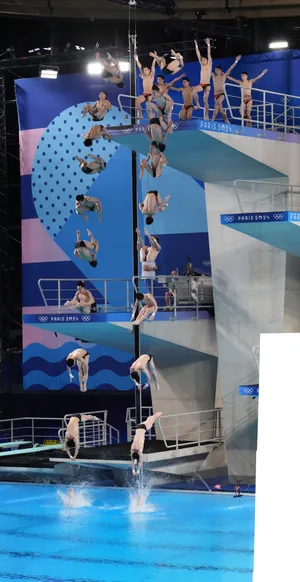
<point x="43" y="318"/>
<point x="278" y="216"/>
<point x="127" y="130"/>
<point x="248" y="391"/>
<point x="229" y="218"/>
<point x="85" y="318"/>
<point x="206" y="263"/>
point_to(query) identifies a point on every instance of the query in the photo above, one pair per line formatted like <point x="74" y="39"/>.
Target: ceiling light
<point x="94" y="68"/>
<point x="124" y="66"/>
<point x="280" y="44"/>
<point x="48" y="72"/>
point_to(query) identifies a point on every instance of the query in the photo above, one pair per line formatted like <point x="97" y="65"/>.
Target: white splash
<point x="138" y="500"/>
<point x="74" y="499"/>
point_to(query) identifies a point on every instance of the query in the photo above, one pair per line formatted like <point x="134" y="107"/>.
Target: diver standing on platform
<point x="219" y="80"/>
<point x="137" y="447"/>
<point x="205" y="75"/>
<point x="83" y="300"/>
<point x="246" y="93"/>
<point x="72" y="433"/>
<point x="189" y="94"/>
<point x="148" y="79"/>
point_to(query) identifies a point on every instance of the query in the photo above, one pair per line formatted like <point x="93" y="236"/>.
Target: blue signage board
<point x="283" y="216"/>
<point x="252" y="390"/>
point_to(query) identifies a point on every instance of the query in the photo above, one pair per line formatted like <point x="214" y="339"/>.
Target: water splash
<point x="74" y="499"/>
<point x="138" y="497"/>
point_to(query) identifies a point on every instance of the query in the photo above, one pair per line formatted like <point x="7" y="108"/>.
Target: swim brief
<point x="143" y="426"/>
<point x="219" y="95"/>
<point x="204" y="85"/>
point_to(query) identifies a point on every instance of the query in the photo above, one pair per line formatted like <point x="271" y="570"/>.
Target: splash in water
<point x="74" y="499"/>
<point x="138" y="497"/>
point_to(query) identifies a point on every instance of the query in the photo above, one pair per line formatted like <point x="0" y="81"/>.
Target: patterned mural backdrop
<point x="51" y="130"/>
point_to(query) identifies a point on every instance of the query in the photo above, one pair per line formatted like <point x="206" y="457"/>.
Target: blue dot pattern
<point x="55" y="188"/>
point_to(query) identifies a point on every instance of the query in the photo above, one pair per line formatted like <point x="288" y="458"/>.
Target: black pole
<point x="136" y="331"/>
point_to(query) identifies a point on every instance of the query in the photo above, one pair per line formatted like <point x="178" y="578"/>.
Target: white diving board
<point x="36" y="449"/>
<point x="12" y="444"/>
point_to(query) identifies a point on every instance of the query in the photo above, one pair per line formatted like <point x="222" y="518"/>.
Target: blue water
<point x="182" y="537"/>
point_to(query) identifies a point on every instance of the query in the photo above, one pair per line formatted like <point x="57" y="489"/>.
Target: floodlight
<point x="48" y="72"/>
<point x="280" y="44"/>
<point x="124" y="66"/>
<point x="94" y="68"/>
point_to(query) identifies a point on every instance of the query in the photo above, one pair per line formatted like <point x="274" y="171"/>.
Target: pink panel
<point x="34" y="335"/>
<point x="29" y="140"/>
<point x="37" y="245"/>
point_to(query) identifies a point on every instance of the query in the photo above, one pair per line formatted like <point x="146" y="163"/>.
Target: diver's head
<point x="120" y="85"/>
<point x="88" y="142"/>
<point x="139" y="296"/>
<point x="80" y="198"/>
<point x="149" y="220"/>
<point x="134" y="375"/>
<point x="70" y="362"/>
<point x="93" y="263"/>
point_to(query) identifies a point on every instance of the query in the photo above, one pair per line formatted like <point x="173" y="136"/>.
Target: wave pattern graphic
<point x="37" y="350"/>
<point x="62" y="381"/>
<point x="56" y="368"/>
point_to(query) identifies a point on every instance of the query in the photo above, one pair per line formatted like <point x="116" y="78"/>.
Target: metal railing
<point x="93" y="433"/>
<point x="192" y="428"/>
<point x="34" y="429"/>
<point x="131" y="422"/>
<point x="270" y="110"/>
<point x="128" y="107"/>
<point x="110" y="295"/>
<point x="189" y="292"/>
<point x="262" y="196"/>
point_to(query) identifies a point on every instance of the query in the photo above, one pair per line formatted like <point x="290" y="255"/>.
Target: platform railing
<point x="131" y="422"/>
<point x="270" y="110"/>
<point x="276" y="111"/>
<point x="31" y="429"/>
<point x="260" y="196"/>
<point x="93" y="433"/>
<point x="111" y="295"/>
<point x="193" y="293"/>
<point x="126" y="108"/>
<point x="192" y="428"/>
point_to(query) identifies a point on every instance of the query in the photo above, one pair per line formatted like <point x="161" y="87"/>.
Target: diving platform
<point x="212" y="151"/>
<point x="278" y="229"/>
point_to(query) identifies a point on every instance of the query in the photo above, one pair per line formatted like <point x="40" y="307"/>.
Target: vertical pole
<point x="58" y="292"/>
<point x="32" y="431"/>
<point x="136" y="331"/>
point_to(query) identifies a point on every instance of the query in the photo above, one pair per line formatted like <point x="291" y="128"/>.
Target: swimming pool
<point x="183" y="537"/>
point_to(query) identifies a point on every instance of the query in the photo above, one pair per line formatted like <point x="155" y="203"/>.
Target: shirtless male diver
<point x="150" y="307"/>
<point x="111" y="73"/>
<point x="169" y="66"/>
<point x="96" y="166"/>
<point x="154" y="163"/>
<point x="157" y="131"/>
<point x="98" y="110"/>
<point x="144" y="364"/>
<point x="88" y="204"/>
<point x="161" y="105"/>
<point x="205" y="75"/>
<point x="189" y="94"/>
<point x="83" y="300"/>
<point x="81" y="358"/>
<point x="219" y="80"/>
<point x="148" y="254"/>
<point x="137" y="447"/>
<point x="96" y="132"/>
<point x="87" y="250"/>
<point x="147" y="75"/>
<point x="72" y="434"/>
<point x="246" y="94"/>
<point x="152" y="204"/>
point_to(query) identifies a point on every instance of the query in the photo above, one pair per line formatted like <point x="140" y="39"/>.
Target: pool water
<point x="183" y="537"/>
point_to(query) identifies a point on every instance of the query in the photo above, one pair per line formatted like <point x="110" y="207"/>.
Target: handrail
<point x="104" y="293"/>
<point x="286" y="198"/>
<point x="187" y="428"/>
<point x="131" y="423"/>
<point x="266" y="123"/>
<point x="190" y="292"/>
<point x="30" y="428"/>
